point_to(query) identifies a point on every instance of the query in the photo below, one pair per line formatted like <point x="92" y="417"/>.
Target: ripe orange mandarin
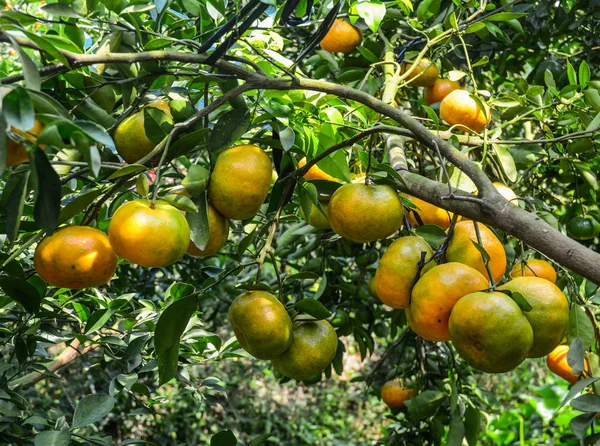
<point x="75" y="257"/>
<point x="218" y="231"/>
<point x="342" y="37"/>
<point x="315" y="172"/>
<point x="149" y="235"/>
<point x="439" y="90"/>
<point x="17" y="153"/>
<point x="423" y="75"/>
<point x="557" y="363"/>
<point x="459" y="108"/>
<point x="535" y="267"/>
<point x="429" y="213"/>
<point x="394" y="394"/>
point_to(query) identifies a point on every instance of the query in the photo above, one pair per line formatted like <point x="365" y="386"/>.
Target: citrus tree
<point x="197" y="181"/>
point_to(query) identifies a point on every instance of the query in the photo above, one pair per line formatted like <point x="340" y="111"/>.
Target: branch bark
<point x="72" y="352"/>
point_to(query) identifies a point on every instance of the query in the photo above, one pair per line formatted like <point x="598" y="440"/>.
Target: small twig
<point x="279" y="282"/>
<point x="485" y="261"/>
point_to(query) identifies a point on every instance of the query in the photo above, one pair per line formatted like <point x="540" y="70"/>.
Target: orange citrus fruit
<point x="490" y="332"/>
<point x="149" y="235"/>
<point x="75" y="257"/>
<point x="459" y="108"/>
<point x="218" y="231"/>
<point x="17" y="153"/>
<point x="240" y="181"/>
<point x="317" y="218"/>
<point x="436" y="293"/>
<point x="461" y="249"/>
<point x="313" y="347"/>
<point x="398" y="270"/>
<point x="536" y="268"/>
<point x="439" y="90"/>
<point x="424" y="74"/>
<point x="130" y="137"/>
<point x="429" y="213"/>
<point x="549" y="316"/>
<point x="315" y="172"/>
<point x="557" y="363"/>
<point x="261" y="324"/>
<point x="365" y="213"/>
<point x="394" y="394"/>
<point x="506" y="192"/>
<point x="342" y="37"/>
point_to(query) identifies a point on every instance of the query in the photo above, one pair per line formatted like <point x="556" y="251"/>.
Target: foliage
<point x="155" y="343"/>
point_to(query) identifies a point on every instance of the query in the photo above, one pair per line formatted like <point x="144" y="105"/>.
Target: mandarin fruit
<point x="75" y="257"/>
<point x="429" y="213"/>
<point x="342" y="37"/>
<point x="398" y="270"/>
<point x="436" y="293"/>
<point x="240" y="181"/>
<point x="394" y="394"/>
<point x="365" y="213"/>
<point x="439" y="90"/>
<point x="549" y="316"/>
<point x="535" y="268"/>
<point x="313" y="347"/>
<point x="315" y="172"/>
<point x="147" y="234"/>
<point x="459" y="108"/>
<point x="490" y="332"/>
<point x="317" y="218"/>
<point x="261" y="324"/>
<point x="16" y="152"/>
<point x="557" y="363"/>
<point x="130" y="137"/>
<point x="461" y="249"/>
<point x="424" y="74"/>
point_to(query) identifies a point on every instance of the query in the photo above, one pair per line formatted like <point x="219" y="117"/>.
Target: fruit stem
<point x="165" y="143"/>
<point x="485" y="261"/>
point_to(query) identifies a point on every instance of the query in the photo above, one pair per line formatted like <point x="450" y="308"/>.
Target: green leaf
<point x="308" y="197"/>
<point x="127" y="170"/>
<point x="61" y="10"/>
<point x="92" y="408"/>
<point x="229" y="128"/>
<point x="31" y="73"/>
<point x="53" y="438"/>
<point x="223" y="438"/>
<point x="587" y="403"/>
<point x="313" y="308"/>
<point x="472" y="425"/>
<point x="432" y="234"/>
<point x="431" y="114"/>
<point x="46" y="104"/>
<point x="181" y="109"/>
<point x="17" y="108"/>
<point x="169" y="328"/>
<point x="584" y="74"/>
<point x="507" y="162"/>
<point x="372" y="13"/>
<point x="23" y="292"/>
<point x="198" y="222"/>
<point x="519" y="300"/>
<point x="96" y="132"/>
<point x="592" y="97"/>
<point x="484" y="60"/>
<point x="594" y="125"/>
<point x="181" y="202"/>
<point x="77" y="205"/>
<point x="587" y="174"/>
<point x="456" y="431"/>
<point x="47" y="46"/>
<point x="256" y="441"/>
<point x="3" y="143"/>
<point x="46" y="209"/>
<point x="576" y="356"/>
<point x="427" y="9"/>
<point x="580" y="326"/>
<point x="425" y="403"/>
<point x="304" y="275"/>
<point x="287" y="138"/>
<point x="505" y="16"/>
<point x="196" y="180"/>
<point x="157" y="124"/>
<point x="92" y="112"/>
<point x="484" y="254"/>
<point x="571" y="74"/>
<point x="137" y="9"/>
<point x="142" y="186"/>
<point x="13" y="201"/>
<point x="97" y="320"/>
<point x="580" y="424"/>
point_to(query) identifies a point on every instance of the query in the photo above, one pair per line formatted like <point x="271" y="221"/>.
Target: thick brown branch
<point x="72" y="352"/>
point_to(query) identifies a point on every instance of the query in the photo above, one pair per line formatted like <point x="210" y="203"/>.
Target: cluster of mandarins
<point x="457" y="106"/>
